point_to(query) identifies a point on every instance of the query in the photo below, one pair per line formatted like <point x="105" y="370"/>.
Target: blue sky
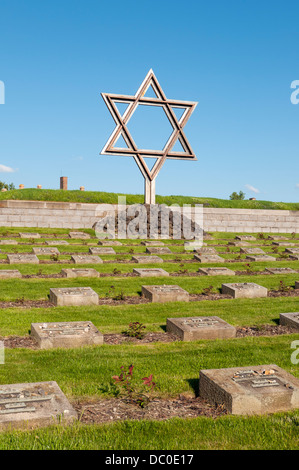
<point x="236" y="58"/>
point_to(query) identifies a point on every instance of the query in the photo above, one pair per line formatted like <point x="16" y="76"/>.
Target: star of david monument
<point x="128" y="146"/>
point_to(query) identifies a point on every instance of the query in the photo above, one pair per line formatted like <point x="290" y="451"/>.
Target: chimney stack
<point x="63" y="182"/>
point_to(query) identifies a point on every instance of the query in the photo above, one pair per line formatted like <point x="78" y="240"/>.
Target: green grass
<point x="97" y="197"/>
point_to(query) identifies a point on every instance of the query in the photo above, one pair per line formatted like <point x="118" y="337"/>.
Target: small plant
<point x="116" y="271"/>
<point x="110" y="291"/>
<point x="260" y="236"/>
<point x="283" y="287"/>
<point x="248" y="268"/>
<point x="130" y="390"/>
<point x="54" y="257"/>
<point x="207" y="290"/>
<point x="135" y="330"/>
<point x="120" y="296"/>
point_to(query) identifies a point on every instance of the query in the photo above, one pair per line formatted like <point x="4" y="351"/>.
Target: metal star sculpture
<point x="131" y="149"/>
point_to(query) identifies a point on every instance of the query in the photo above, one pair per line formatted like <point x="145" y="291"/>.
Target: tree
<point x="9" y="186"/>
<point x="235" y="196"/>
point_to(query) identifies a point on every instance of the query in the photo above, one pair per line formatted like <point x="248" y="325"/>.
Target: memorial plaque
<point x="209" y="258"/>
<point x="9" y="242"/>
<point x="29" y="235"/>
<point x="147" y="259"/>
<point x="282" y="244"/>
<point x="290" y="319"/>
<point x="32" y="405"/>
<point x="73" y="272"/>
<point x="105" y="250"/>
<point x="206" y="250"/>
<point x="244" y="290"/>
<point x="293" y="251"/>
<point x="165" y="293"/>
<point x="73" y="296"/>
<point x="154" y="272"/>
<point x="56" y="242"/>
<point x="216" y="271"/>
<point x="280" y="270"/>
<point x="252" y="251"/>
<point x="22" y="258"/>
<point x="109" y="243"/>
<point x="239" y="243"/>
<point x="45" y="251"/>
<point x="9" y="273"/>
<point x="152" y="243"/>
<point x="245" y="237"/>
<point x="250" y="390"/>
<point x="86" y="259"/>
<point x="158" y="250"/>
<point x="66" y="334"/>
<point x="276" y="237"/>
<point x="79" y="235"/>
<point x="260" y="258"/>
<point x="197" y="328"/>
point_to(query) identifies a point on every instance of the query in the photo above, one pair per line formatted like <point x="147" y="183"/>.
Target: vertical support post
<point x="149" y="191"/>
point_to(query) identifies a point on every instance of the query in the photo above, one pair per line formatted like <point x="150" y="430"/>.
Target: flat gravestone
<point x="147" y="259"/>
<point x="45" y="250"/>
<point x="260" y="258"/>
<point x="209" y="258"/>
<point x="296" y="284"/>
<point x="294" y="257"/>
<point x="244" y="290"/>
<point x="86" y="259"/>
<point x="293" y="251"/>
<point x="9" y="242"/>
<point x="245" y="238"/>
<point x="79" y="235"/>
<point x="84" y="272"/>
<point x="290" y="319"/>
<point x="32" y="405"/>
<point x="9" y="273"/>
<point x="22" y="258"/>
<point x="153" y="250"/>
<point x="239" y="243"/>
<point x="109" y="243"/>
<point x="29" y="235"/>
<point x="276" y="237"/>
<point x="252" y="251"/>
<point x="206" y="250"/>
<point x="73" y="296"/>
<point x="165" y="293"/>
<point x="282" y="243"/>
<point x="280" y="270"/>
<point x="196" y="328"/>
<point x="56" y="242"/>
<point x="66" y="334"/>
<point x="152" y="243"/>
<point x="250" y="390"/>
<point x="154" y="272"/>
<point x="216" y="271"/>
<point x="105" y="250"/>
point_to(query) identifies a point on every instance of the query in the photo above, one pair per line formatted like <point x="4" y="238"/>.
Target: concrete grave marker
<point x="293" y="251"/>
<point x="158" y="250"/>
<point x="245" y="238"/>
<point x="9" y="273"/>
<point x="244" y="290"/>
<point x="294" y="257"/>
<point x="282" y="243"/>
<point x="216" y="271"/>
<point x="22" y="258"/>
<point x="250" y="390"/>
<point x="252" y="251"/>
<point x="66" y="334"/>
<point x="105" y="250"/>
<point x="296" y="284"/>
<point x="86" y="259"/>
<point x="197" y="328"/>
<point x="45" y="251"/>
<point x="73" y="272"/>
<point x="9" y="242"/>
<point x="32" y="405"/>
<point x="152" y="243"/>
<point x="209" y="258"/>
<point x="109" y="243"/>
<point x="206" y="250"/>
<point x="239" y="243"/>
<point x="29" y="235"/>
<point x="73" y="296"/>
<point x="165" y="293"/>
<point x="276" y="237"/>
<point x="260" y="258"/>
<point x="147" y="259"/>
<point x="79" y="235"/>
<point x="280" y="270"/>
<point x="56" y="242"/>
<point x="154" y="272"/>
<point x="290" y="319"/>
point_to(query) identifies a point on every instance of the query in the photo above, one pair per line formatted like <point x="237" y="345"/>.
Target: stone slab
<point x="293" y="251"/>
<point x="86" y="259"/>
<point x="260" y="258"/>
<point x="294" y="257"/>
<point x="206" y="250"/>
<point x="239" y="243"/>
<point x="252" y="251"/>
<point x="40" y="250"/>
<point x="104" y="250"/>
<point x="29" y="235"/>
<point x="282" y="244"/>
<point x="56" y="242"/>
<point x="245" y="238"/>
<point x="109" y="243"/>
<point x="197" y="328"/>
<point x="33" y="405"/>
<point x="280" y="270"/>
<point x="209" y="258"/>
<point x="250" y="390"/>
<point x="152" y="243"/>
<point x="9" y="242"/>
<point x="79" y="235"/>
<point x="22" y="258"/>
<point x="9" y="273"/>
<point x="244" y="290"/>
<point x="66" y="334"/>
<point x="165" y="293"/>
<point x="73" y="296"/>
<point x="153" y="250"/>
<point x="147" y="259"/>
<point x="84" y="272"/>
<point x="290" y="319"/>
<point x="217" y="271"/>
<point x="154" y="272"/>
<point x="296" y="284"/>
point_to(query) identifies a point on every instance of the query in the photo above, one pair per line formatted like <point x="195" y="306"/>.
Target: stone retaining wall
<point x="80" y="215"/>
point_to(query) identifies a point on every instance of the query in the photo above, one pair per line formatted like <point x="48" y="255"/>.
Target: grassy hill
<point x="97" y="197"/>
